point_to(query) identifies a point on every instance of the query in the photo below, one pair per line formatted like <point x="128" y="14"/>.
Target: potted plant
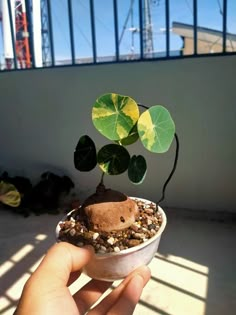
<point x="124" y="231"/>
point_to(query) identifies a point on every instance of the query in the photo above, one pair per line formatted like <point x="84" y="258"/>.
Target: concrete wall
<point x="44" y="112"/>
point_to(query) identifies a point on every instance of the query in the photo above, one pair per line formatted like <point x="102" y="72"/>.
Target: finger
<point x="89" y="294"/>
<point x="109" y="301"/>
<point x="61" y="260"/>
<point x="129" y="297"/>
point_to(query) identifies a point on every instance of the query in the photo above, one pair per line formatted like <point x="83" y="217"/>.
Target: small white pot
<point x="115" y="266"/>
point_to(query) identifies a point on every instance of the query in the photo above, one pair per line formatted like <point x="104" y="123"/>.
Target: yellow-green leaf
<point x="156" y="129"/>
<point x="115" y="115"/>
<point x="9" y="195"/>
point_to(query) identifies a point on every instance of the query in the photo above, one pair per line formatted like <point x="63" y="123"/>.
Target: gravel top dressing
<point x="75" y="230"/>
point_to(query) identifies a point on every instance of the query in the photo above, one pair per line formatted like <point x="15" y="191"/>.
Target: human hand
<point x="46" y="292"/>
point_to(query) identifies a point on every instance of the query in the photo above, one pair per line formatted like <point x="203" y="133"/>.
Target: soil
<point x="75" y="230"/>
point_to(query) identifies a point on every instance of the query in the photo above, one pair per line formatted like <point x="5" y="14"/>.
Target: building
<point x="208" y="40"/>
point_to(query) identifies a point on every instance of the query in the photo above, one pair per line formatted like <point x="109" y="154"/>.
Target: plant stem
<point x="101" y="181"/>
<point x="172" y="171"/>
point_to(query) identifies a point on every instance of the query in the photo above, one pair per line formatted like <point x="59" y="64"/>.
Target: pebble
<point x="134" y="227"/>
<point x="133" y="242"/>
<point x="149" y="221"/>
<point x="102" y="250"/>
<point x="72" y="232"/>
<point x="111" y="240"/>
<point x="139" y="236"/>
<point x="151" y="227"/>
<point x="149" y="211"/>
<point x="95" y="236"/>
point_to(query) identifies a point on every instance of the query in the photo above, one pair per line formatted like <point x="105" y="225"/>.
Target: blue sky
<point x="180" y="10"/>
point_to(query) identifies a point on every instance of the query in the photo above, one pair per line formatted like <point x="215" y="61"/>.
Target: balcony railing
<point x="48" y="33"/>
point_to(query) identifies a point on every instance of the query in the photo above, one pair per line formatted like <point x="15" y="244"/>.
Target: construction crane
<point x="22" y="35"/>
<point x="21" y="45"/>
<point x="146" y="27"/>
<point x="148" y="47"/>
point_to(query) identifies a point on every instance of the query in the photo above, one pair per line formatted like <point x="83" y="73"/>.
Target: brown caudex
<point x="109" y="210"/>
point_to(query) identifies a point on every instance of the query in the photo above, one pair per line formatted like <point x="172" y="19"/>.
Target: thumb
<point x="61" y="259"/>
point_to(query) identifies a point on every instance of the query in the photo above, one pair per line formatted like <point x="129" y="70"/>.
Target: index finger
<point x="123" y="299"/>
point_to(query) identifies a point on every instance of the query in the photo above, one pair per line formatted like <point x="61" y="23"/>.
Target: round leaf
<point x="132" y="137"/>
<point x="137" y="169"/>
<point x="156" y="129"/>
<point x="113" y="159"/>
<point x="114" y="115"/>
<point x="85" y="157"/>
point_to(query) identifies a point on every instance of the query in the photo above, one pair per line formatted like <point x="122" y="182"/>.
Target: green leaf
<point x="156" y="129"/>
<point x="85" y="156"/>
<point x="9" y="195"/>
<point x="132" y="137"/>
<point x="137" y="169"/>
<point x="113" y="159"/>
<point x="115" y="115"/>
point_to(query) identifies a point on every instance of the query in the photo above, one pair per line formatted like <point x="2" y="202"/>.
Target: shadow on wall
<point x="196" y="267"/>
<point x="21" y="252"/>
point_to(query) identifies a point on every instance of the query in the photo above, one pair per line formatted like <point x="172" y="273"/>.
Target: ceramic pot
<point x="115" y="266"/>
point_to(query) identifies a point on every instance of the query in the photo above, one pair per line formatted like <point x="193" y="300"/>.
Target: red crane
<point x="22" y="35"/>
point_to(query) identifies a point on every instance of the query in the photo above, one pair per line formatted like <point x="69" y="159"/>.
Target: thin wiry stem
<point x="102" y="178"/>
<point x="172" y="171"/>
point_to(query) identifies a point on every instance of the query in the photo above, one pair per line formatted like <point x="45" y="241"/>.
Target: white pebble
<point x="103" y="248"/>
<point x="95" y="236"/>
<point x="111" y="240"/>
<point x="116" y="249"/>
<point x="72" y="232"/>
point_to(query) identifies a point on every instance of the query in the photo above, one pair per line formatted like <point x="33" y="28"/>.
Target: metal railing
<point x="35" y="33"/>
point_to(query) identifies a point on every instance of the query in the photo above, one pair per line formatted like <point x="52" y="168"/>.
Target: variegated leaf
<point x="156" y="129"/>
<point x="115" y="115"/>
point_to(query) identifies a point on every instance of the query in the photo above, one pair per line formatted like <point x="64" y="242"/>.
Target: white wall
<point x="44" y="112"/>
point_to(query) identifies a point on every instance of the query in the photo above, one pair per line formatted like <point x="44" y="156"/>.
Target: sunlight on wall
<point x="25" y="250"/>
<point x="12" y="294"/>
<point x="4" y="303"/>
<point x="20" y="254"/>
<point x="41" y="237"/>
<point x="5" y="267"/>
<point x="183" y="285"/>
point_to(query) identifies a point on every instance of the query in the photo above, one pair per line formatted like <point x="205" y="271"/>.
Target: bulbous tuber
<point x="109" y="210"/>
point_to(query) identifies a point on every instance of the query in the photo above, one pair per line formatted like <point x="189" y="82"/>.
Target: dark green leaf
<point x="113" y="159"/>
<point x="137" y="169"/>
<point x="85" y="158"/>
